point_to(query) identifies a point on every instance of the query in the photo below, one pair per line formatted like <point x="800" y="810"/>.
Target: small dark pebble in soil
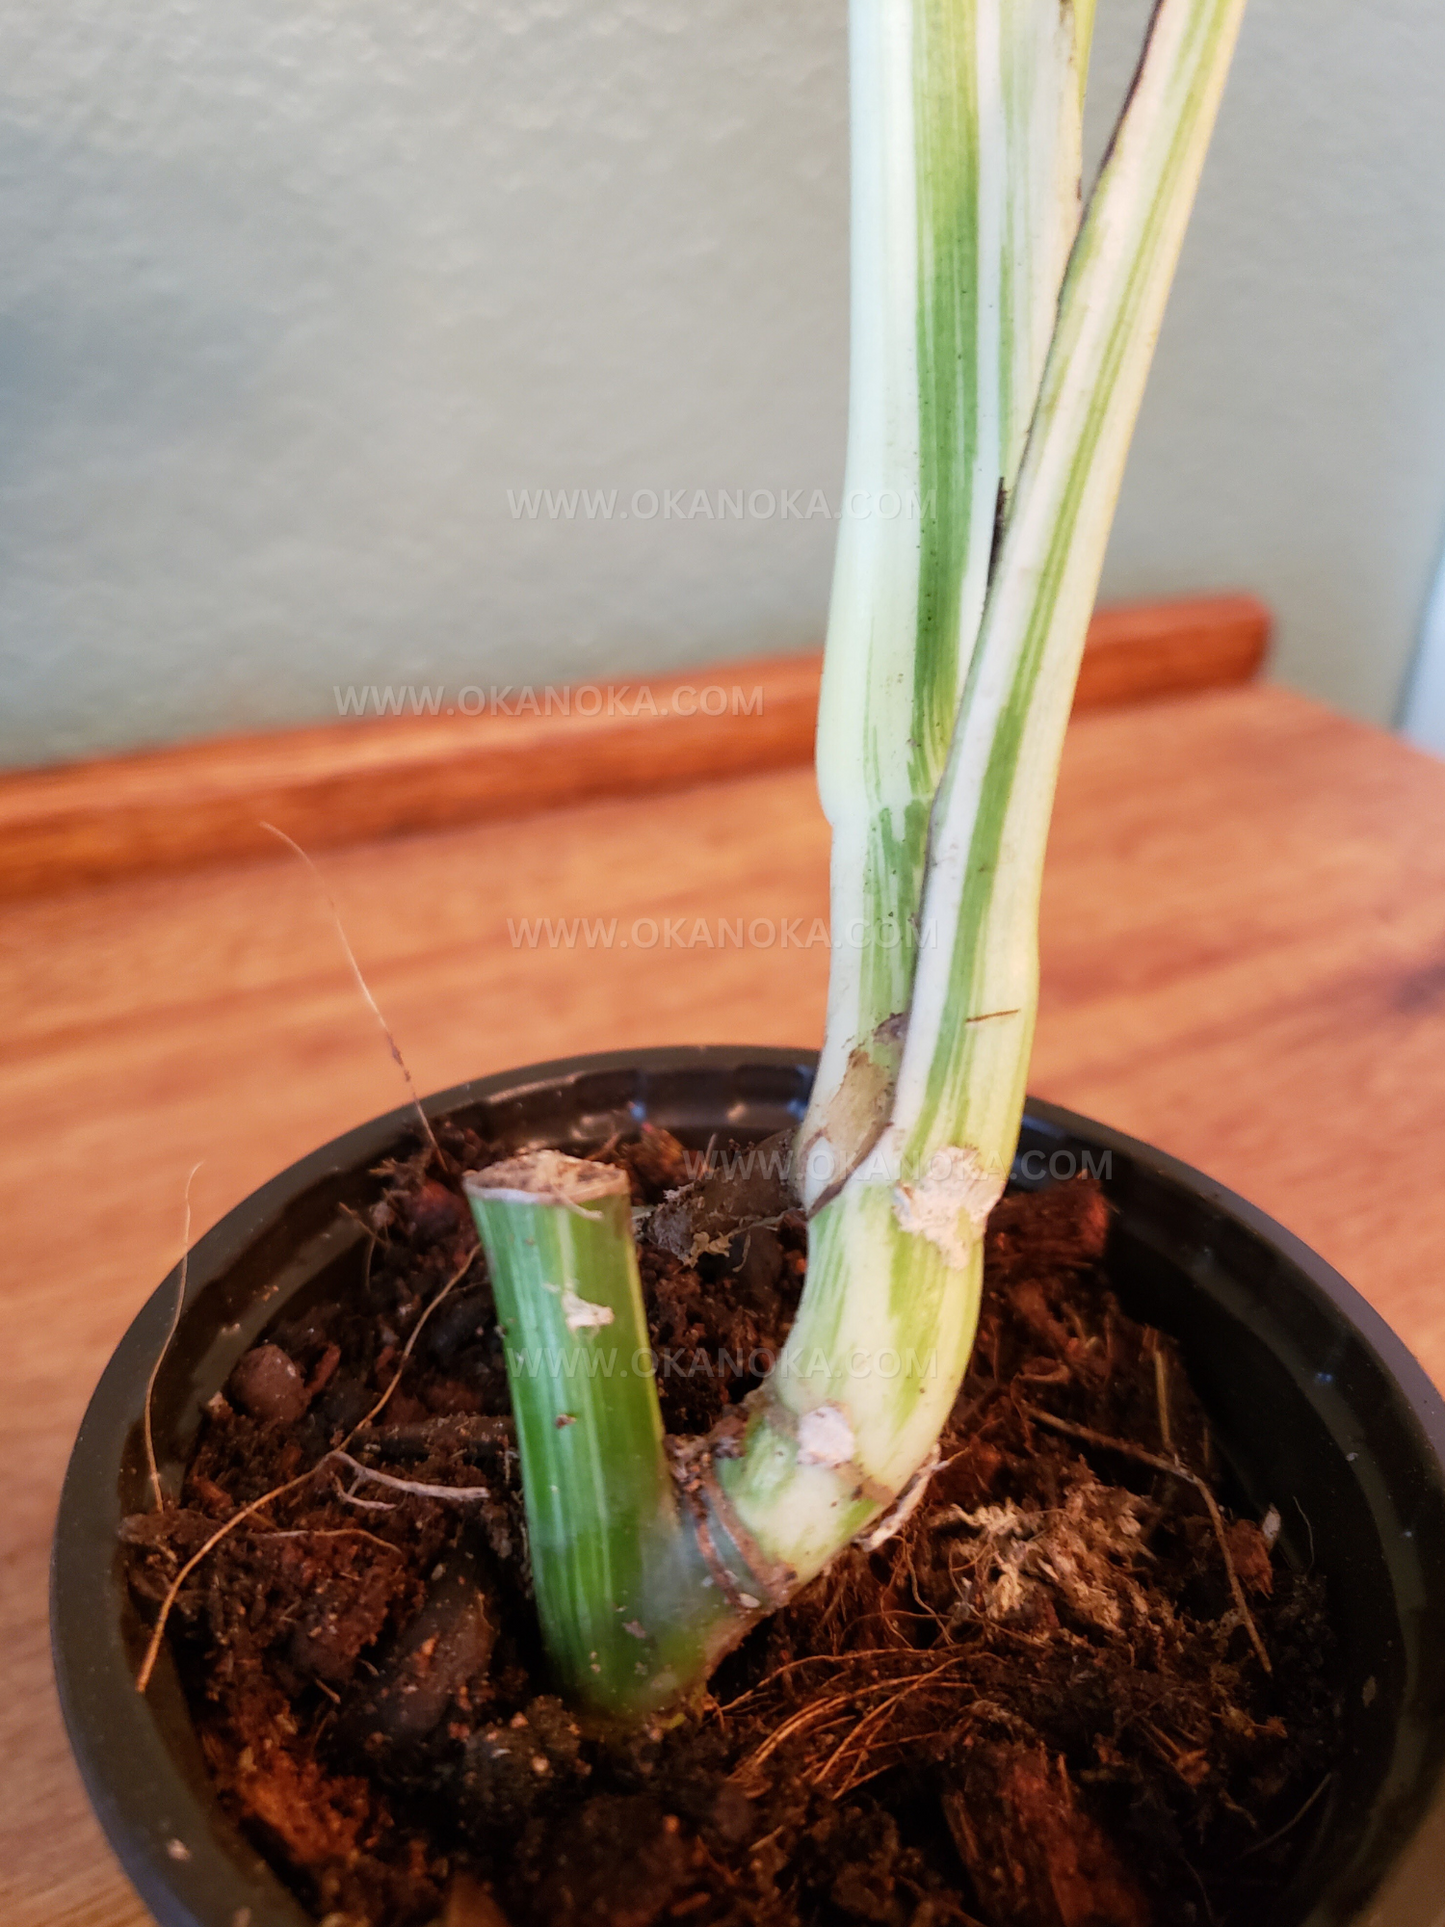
<point x="1036" y="1706"/>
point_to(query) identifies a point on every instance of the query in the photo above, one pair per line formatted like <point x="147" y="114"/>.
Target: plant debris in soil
<point x="1044" y="1702"/>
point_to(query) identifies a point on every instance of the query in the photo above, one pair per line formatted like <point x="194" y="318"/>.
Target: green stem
<point x="635" y="1601"/>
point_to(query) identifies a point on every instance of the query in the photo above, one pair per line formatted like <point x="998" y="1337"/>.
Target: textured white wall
<point x="1293" y="438"/>
<point x="293" y="291"/>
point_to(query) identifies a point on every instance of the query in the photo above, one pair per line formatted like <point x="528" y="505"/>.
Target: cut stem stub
<point x="639" y="1588"/>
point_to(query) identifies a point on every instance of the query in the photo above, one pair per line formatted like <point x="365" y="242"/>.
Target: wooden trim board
<point x="1141" y="651"/>
<point x="353" y="781"/>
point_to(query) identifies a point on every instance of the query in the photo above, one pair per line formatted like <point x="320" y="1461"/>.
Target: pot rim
<point x="159" y="1812"/>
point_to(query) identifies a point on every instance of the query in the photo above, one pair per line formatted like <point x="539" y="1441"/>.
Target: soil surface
<point x="1042" y="1703"/>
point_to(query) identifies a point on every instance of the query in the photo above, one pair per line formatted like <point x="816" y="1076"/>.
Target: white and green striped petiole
<point x="966" y="155"/>
<point x="895" y="1256"/>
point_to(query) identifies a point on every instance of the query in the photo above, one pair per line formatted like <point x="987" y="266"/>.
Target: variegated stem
<point x="959" y="1093"/>
<point x="966" y="143"/>
<point x="638" y="1592"/>
<point x="860" y="1392"/>
<point x="894" y="1257"/>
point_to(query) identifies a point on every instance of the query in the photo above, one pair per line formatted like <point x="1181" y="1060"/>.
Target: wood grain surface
<point x="349" y="782"/>
<point x="1244" y="960"/>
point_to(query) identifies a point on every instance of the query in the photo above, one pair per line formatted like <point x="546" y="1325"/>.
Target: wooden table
<point x="1244" y="960"/>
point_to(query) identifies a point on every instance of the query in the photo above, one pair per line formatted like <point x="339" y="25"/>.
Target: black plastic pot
<point x="1317" y="1404"/>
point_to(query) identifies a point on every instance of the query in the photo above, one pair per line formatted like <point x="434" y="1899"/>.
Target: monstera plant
<point x="1000" y="345"/>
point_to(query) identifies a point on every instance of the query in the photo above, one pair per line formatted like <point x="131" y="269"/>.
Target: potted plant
<point x="1000" y="352"/>
<point x="1318" y="1411"/>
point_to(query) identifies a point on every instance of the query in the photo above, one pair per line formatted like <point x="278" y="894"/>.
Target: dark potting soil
<point x="1042" y="1703"/>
